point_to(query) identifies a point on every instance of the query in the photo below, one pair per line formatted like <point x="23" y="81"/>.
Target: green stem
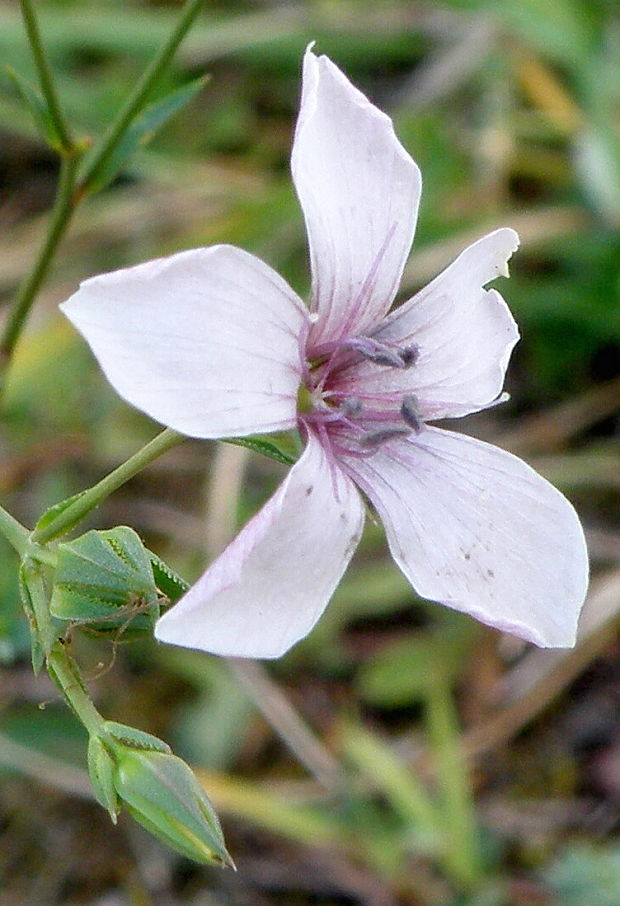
<point x="15" y="533"/>
<point x="88" y="500"/>
<point x="45" y="78"/>
<point x="68" y="196"/>
<point x="61" y="667"/>
<point x="65" y="672"/>
<point x="462" y="856"/>
<point x="64" y="206"/>
<point x="138" y="96"/>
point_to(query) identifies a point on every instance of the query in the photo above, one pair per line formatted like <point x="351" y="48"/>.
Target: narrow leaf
<point x="264" y="447"/>
<point x="141" y="131"/>
<point x="50" y="515"/>
<point x="37" y="107"/>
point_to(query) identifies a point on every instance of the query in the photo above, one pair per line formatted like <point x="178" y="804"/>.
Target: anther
<point x="410" y="412"/>
<point x="375" y="439"/>
<point x="410" y="355"/>
<point x="350" y="407"/>
<point x="377" y="352"/>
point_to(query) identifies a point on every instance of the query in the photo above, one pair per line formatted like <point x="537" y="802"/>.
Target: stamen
<point x="375" y="439"/>
<point x="410" y="412"/>
<point x="377" y="352"/>
<point x="350" y="407"/>
<point x="410" y="354"/>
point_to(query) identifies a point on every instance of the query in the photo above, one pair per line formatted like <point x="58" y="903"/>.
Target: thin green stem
<point x="45" y="78"/>
<point x="139" y="95"/>
<point x="462" y="856"/>
<point x="66" y="673"/>
<point x="18" y="537"/>
<point x="88" y="500"/>
<point x="68" y="195"/>
<point x="61" y="667"/>
<point x="64" y="206"/>
<point x="15" y="533"/>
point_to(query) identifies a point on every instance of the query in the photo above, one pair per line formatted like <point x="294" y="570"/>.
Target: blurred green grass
<point x="512" y="110"/>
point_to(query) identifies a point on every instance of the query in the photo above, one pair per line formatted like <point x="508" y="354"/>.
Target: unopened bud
<point x="158" y="789"/>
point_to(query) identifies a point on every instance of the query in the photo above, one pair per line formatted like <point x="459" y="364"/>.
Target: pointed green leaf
<point x="50" y="515"/>
<point x="35" y="103"/>
<point x="275" y="448"/>
<point x="141" y="131"/>
<point x="104" y="579"/>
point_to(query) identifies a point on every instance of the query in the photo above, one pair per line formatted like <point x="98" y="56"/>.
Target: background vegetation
<point x="324" y="764"/>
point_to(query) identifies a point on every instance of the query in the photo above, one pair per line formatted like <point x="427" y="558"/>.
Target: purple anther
<point x="410" y="412"/>
<point x="375" y="439"/>
<point x="410" y="355"/>
<point x="351" y="407"/>
<point x="377" y="352"/>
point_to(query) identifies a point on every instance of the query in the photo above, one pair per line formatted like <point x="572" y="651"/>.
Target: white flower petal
<point x="465" y="335"/>
<point x="475" y="528"/>
<point x="205" y="341"/>
<point x="270" y="586"/>
<point x="359" y="191"/>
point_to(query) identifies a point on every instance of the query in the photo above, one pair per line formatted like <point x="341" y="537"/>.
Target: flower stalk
<point x="62" y="212"/>
<point x="88" y="500"/>
<point x="67" y="676"/>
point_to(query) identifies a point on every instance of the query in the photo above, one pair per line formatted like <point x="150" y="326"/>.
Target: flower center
<point x="359" y="424"/>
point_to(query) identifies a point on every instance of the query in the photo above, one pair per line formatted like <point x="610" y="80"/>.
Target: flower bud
<point x="158" y="789"/>
<point x="101" y="770"/>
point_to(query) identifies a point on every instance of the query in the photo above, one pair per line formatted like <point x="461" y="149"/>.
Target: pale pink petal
<point x="270" y="586"/>
<point x="205" y="341"/>
<point x="475" y="528"/>
<point x="465" y="335"/>
<point x="359" y="191"/>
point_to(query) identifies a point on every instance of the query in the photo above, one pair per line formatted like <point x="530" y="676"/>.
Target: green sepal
<point x="36" y="645"/>
<point x="280" y="447"/>
<point x="38" y="108"/>
<point x="140" y="133"/>
<point x="101" y="771"/>
<point x="51" y="514"/>
<point x="104" y="581"/>
<point x="169" y="583"/>
<point x="120" y="736"/>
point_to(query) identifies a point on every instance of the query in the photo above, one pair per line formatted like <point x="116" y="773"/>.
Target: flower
<point x="213" y="343"/>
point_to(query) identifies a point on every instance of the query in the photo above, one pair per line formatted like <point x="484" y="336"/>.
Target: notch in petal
<point x="273" y="582"/>
<point x="359" y="190"/>
<point x="205" y="341"/>
<point x="464" y="333"/>
<point x="475" y="528"/>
